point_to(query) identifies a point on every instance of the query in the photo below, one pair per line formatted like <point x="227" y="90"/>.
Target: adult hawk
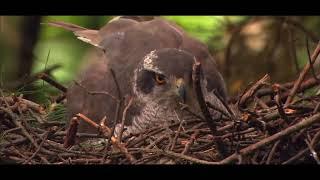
<point x="152" y="60"/>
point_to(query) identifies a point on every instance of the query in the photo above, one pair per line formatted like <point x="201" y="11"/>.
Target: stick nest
<point x="267" y="124"/>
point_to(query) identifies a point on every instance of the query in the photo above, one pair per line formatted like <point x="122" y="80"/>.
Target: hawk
<point x="152" y="59"/>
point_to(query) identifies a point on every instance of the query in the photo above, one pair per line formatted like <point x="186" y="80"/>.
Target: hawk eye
<point x="160" y="79"/>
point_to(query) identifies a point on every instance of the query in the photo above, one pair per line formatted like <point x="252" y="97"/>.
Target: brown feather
<point x="87" y="35"/>
<point x="66" y="26"/>
<point x="126" y="42"/>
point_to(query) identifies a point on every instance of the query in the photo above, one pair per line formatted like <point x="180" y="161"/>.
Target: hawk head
<point x="164" y="77"/>
<point x="162" y="83"/>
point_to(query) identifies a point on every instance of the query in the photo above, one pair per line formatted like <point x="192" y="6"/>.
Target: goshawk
<point x="152" y="60"/>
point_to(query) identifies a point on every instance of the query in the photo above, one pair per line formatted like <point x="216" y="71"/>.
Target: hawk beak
<point x="181" y="89"/>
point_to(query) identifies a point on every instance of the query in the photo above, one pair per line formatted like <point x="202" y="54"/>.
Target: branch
<point x="284" y="133"/>
<point x="174" y="141"/>
<point x="250" y="92"/>
<point x="71" y="133"/>
<point x="196" y="71"/>
<point x="124" y="114"/>
<point x="31" y="78"/>
<point x="302" y="75"/>
<point x="309" y="83"/>
<point x="310" y="62"/>
<point x="95" y="92"/>
<point x="52" y="82"/>
<point x="180" y="156"/>
<point x="38" y="149"/>
<point x="272" y="152"/>
<point x="18" y="124"/>
<point x="190" y="142"/>
<point x="106" y="131"/>
<point x="118" y="110"/>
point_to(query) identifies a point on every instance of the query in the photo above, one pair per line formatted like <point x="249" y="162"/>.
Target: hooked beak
<point x="181" y="89"/>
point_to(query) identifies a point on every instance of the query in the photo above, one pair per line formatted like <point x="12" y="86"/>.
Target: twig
<point x="18" y="124"/>
<point x="176" y="135"/>
<point x="52" y="82"/>
<point x="196" y="71"/>
<point x="36" y="117"/>
<point x="32" y="78"/>
<point x="71" y="133"/>
<point x="224" y="103"/>
<point x="273" y="150"/>
<point x="161" y="138"/>
<point x="38" y="149"/>
<point x="82" y="161"/>
<point x="309" y="83"/>
<point x="80" y="135"/>
<point x="315" y="139"/>
<point x="124" y="114"/>
<point x="32" y="105"/>
<point x="311" y="63"/>
<point x="146" y="159"/>
<point x="280" y="108"/>
<point x="216" y="109"/>
<point x="93" y="124"/>
<point x="107" y="133"/>
<point x="14" y="142"/>
<point x="264" y="158"/>
<point x="313" y="152"/>
<point x="147" y="133"/>
<point x="95" y="92"/>
<point x="316" y="109"/>
<point x="10" y="131"/>
<point x="118" y="109"/>
<point x="303" y="124"/>
<point x="180" y="156"/>
<point x="250" y="92"/>
<point x="44" y="159"/>
<point x="302" y="75"/>
<point x="186" y="108"/>
<point x="60" y="98"/>
<point x="190" y="142"/>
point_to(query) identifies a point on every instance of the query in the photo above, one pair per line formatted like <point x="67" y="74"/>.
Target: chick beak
<point x="181" y="89"/>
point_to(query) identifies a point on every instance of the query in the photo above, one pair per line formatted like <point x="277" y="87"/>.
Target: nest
<point x="266" y="124"/>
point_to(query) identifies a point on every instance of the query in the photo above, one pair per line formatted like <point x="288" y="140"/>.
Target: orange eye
<point x="160" y="79"/>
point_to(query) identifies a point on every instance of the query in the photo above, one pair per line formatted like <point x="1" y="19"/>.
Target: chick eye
<point x="160" y="79"/>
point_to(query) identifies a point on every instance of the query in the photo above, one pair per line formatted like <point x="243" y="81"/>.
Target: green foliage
<point x="201" y="27"/>
<point x="206" y="28"/>
<point x="57" y="113"/>
<point x="66" y="50"/>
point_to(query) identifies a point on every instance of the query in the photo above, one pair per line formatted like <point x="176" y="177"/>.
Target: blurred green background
<point x="245" y="47"/>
